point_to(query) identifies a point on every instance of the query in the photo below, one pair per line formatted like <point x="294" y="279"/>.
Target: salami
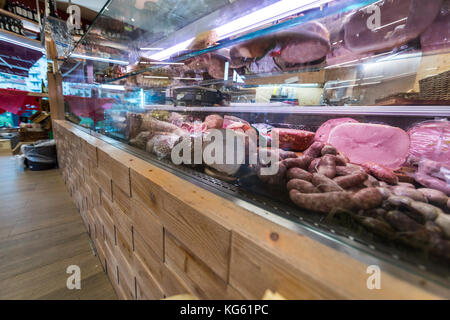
<point x="294" y="140"/>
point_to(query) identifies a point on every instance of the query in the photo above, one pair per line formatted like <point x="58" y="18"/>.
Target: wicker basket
<point x="436" y="87"/>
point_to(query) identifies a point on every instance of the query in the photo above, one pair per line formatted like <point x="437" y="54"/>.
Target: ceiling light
<point x="274" y="12"/>
<point x="81" y="56"/>
<point x="155" y="77"/>
<point x="112" y="87"/>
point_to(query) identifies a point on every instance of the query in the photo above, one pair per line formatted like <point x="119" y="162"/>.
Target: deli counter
<point x="226" y="148"/>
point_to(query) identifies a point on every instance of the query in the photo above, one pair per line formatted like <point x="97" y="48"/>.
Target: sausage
<point x="347" y="170"/>
<point x="314" y="165"/>
<point x="399" y="202"/>
<point x="427" y="211"/>
<point x="408" y="192"/>
<point x="378" y="226"/>
<point x="381" y="173"/>
<point x="406" y="185"/>
<point x="302" y="162"/>
<point x="329" y="149"/>
<point x="402" y="222"/>
<point x="352" y="180"/>
<point x="325" y="184"/>
<point x="314" y="150"/>
<point x="374" y="213"/>
<point x="322" y="202"/>
<point x="435" y="197"/>
<point x="302" y="186"/>
<point x="385" y="192"/>
<point x="277" y="179"/>
<point x="298" y="173"/>
<point x="342" y="160"/>
<point x="368" y="198"/>
<point x="443" y="221"/>
<point x="282" y="154"/>
<point x="441" y="247"/>
<point x="433" y="229"/>
<point x="327" y="166"/>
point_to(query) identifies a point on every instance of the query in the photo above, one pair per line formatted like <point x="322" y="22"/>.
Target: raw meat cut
<point x="291" y="139"/>
<point x="214" y="121"/>
<point x="364" y="143"/>
<point x="430" y="140"/>
<point x="323" y="132"/>
<point x="400" y="21"/>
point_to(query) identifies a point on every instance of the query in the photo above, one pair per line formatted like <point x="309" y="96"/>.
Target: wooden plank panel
<point x="91" y="152"/>
<point x="125" y="275"/>
<point x="147" y="261"/>
<point x="103" y="181"/>
<point x="146" y="192"/>
<point x="204" y="237"/>
<point x="125" y="246"/>
<point x="104" y="162"/>
<point x="202" y="281"/>
<point x="121" y="200"/>
<point x="121" y="176"/>
<point x="123" y="223"/>
<point x="147" y="225"/>
<point x="253" y="270"/>
<point x="146" y="285"/>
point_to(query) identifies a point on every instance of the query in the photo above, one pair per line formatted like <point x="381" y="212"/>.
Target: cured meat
<point x="430" y="140"/>
<point x="204" y="40"/>
<point x="437" y="36"/>
<point x="323" y="132"/>
<point x="251" y="51"/>
<point x="365" y="143"/>
<point x="400" y="22"/>
<point x="308" y="43"/>
<point x="265" y="64"/>
<point x="294" y="140"/>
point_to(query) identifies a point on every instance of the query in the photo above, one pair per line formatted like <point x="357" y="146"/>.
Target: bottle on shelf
<point x="43" y="87"/>
<point x="2" y="24"/>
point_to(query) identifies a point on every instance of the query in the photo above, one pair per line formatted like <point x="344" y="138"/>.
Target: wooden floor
<point x="41" y="234"/>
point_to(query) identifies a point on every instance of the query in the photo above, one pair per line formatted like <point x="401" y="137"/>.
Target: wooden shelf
<point x="38" y="94"/>
<point x="15" y="16"/>
<point x="17" y="37"/>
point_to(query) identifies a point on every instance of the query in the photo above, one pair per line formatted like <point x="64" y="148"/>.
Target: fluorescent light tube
<point x="81" y="56"/>
<point x="112" y="87"/>
<point x="164" y="63"/>
<point x="22" y="44"/>
<point x="274" y="12"/>
<point x="155" y="77"/>
<point x="152" y="49"/>
<point x="194" y="79"/>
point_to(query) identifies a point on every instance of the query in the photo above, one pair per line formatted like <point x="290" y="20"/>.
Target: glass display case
<point x="332" y="115"/>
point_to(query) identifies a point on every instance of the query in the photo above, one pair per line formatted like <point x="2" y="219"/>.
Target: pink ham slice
<point x="363" y="143"/>
<point x="431" y="140"/>
<point x="323" y="132"/>
<point x="401" y="21"/>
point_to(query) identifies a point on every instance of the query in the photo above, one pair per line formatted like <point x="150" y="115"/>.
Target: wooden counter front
<point x="158" y="235"/>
